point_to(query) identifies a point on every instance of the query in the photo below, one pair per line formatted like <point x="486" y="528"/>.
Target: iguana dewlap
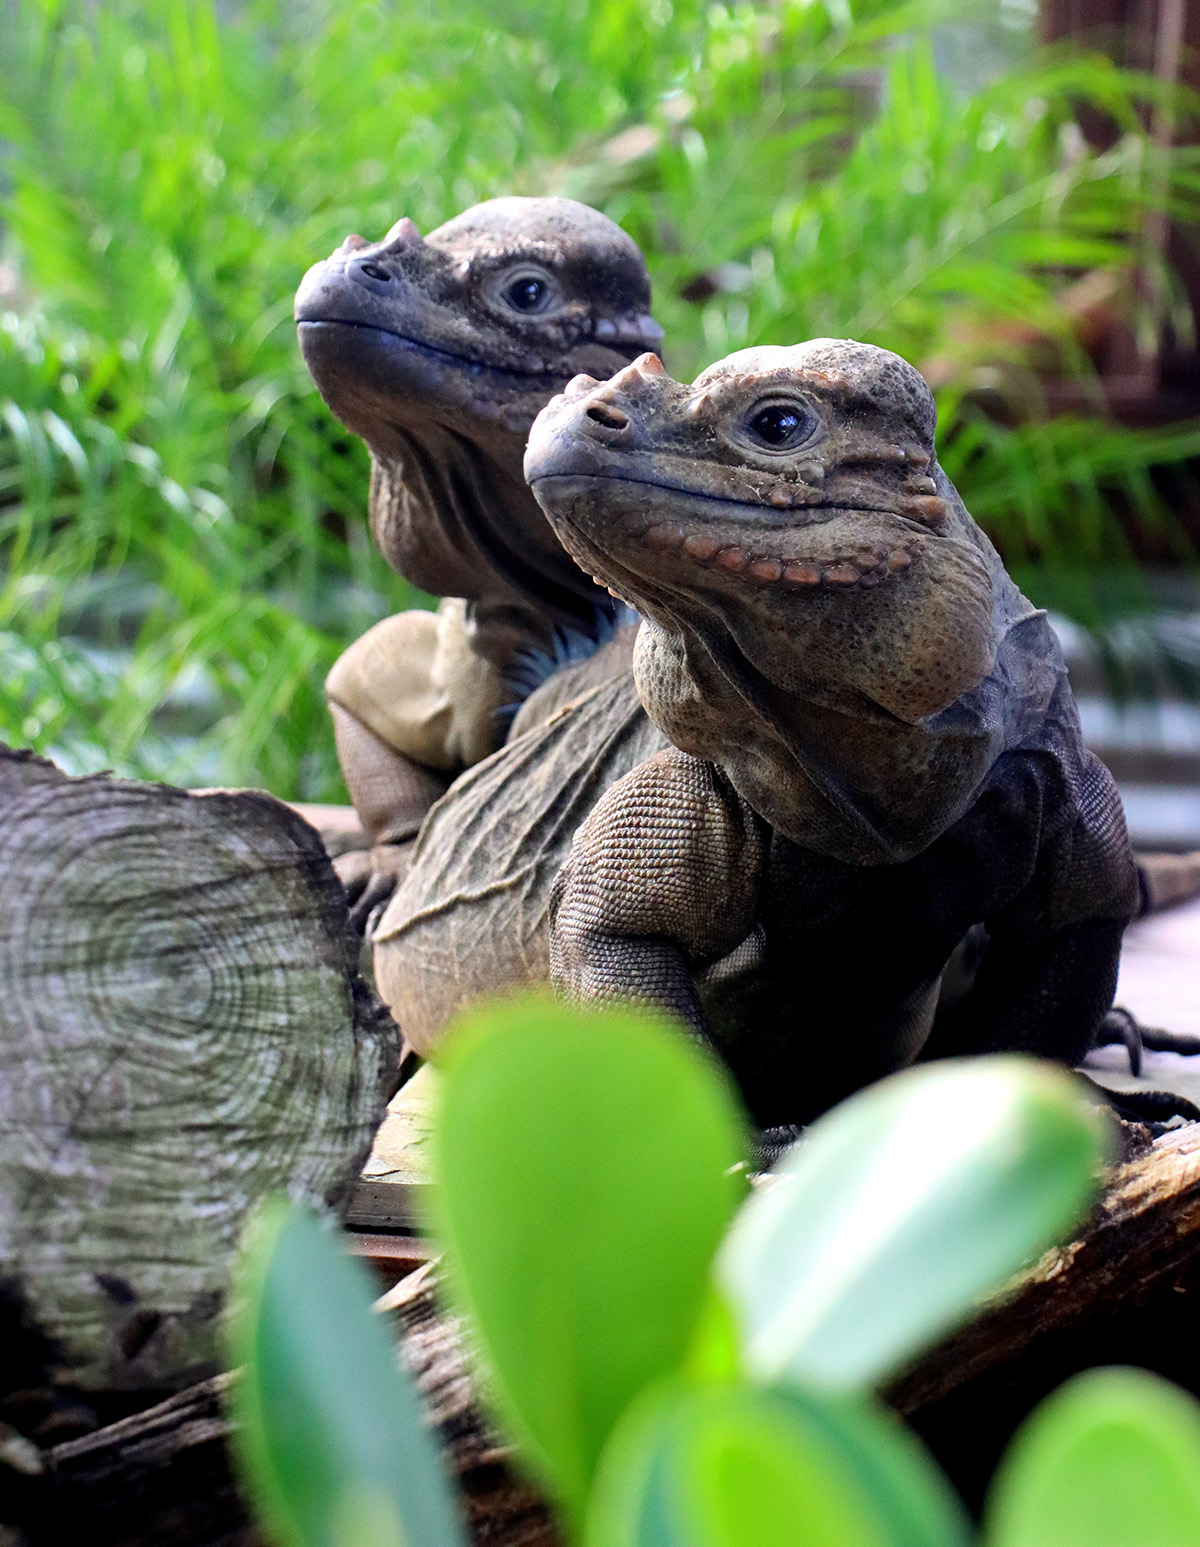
<point x="866" y="745"/>
<point x="439" y="352"/>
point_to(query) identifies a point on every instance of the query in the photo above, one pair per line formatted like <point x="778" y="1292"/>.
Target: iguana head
<point x="440" y="351"/>
<point x="811" y="580"/>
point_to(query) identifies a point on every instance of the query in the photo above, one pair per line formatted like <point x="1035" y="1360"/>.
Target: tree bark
<point x="1124" y="1292"/>
<point x="164" y="1474"/>
<point x="182" y="1031"/>
<point x="1113" y="1294"/>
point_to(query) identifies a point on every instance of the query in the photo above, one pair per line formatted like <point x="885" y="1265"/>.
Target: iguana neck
<point x="453" y="516"/>
<point x="834" y="771"/>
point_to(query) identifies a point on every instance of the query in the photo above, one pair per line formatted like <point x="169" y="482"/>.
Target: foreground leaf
<point x="739" y="1466"/>
<point x="903" y="1206"/>
<point x="331" y="1444"/>
<point x="586" y="1168"/>
<point x="1112" y="1459"/>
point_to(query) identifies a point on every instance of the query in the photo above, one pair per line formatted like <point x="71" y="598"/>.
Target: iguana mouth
<point x="863" y="568"/>
<point x="431" y="351"/>
<point x="762" y="556"/>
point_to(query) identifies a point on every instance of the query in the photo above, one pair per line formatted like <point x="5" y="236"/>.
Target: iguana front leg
<point x="663" y="879"/>
<point x="391" y="794"/>
<point x="1044" y="996"/>
<point x="412" y="705"/>
<point x="1048" y="970"/>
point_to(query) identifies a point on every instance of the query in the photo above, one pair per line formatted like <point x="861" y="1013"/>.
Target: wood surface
<point x="1123" y="1291"/>
<point x="182" y="1028"/>
<point x="182" y="1031"/>
<point x="163" y="1475"/>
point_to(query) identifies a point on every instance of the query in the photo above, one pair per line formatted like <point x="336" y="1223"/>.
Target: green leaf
<point x="1111" y="1459"/>
<point x="902" y="1206"/>
<point x="588" y="1167"/>
<point x="739" y="1466"/>
<point x="330" y="1440"/>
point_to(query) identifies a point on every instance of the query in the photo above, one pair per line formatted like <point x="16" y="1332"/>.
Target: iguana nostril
<point x="611" y="418"/>
<point x="373" y="271"/>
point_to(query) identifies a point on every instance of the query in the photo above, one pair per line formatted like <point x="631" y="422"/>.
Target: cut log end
<point x="182" y="1031"/>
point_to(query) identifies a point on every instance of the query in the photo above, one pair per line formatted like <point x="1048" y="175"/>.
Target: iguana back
<point x="471" y="918"/>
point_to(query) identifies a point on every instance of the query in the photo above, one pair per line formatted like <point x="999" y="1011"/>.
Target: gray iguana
<point x="860" y="747"/>
<point x="439" y="352"/>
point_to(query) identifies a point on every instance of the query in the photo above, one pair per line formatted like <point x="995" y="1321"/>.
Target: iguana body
<point x="865" y="745"/>
<point x="440" y="352"/>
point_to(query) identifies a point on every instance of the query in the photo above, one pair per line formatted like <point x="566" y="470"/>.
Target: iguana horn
<point x="403" y="234"/>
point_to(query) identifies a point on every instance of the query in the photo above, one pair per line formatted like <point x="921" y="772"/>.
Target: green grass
<point x="183" y="545"/>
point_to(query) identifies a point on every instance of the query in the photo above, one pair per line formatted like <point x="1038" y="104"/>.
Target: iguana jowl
<point x="874" y="746"/>
<point x="439" y="352"/>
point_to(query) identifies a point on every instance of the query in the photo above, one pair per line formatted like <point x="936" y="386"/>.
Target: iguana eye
<point x="528" y="293"/>
<point x="781" y="425"/>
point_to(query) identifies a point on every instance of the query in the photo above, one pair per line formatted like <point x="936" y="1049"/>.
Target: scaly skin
<point x="440" y="352"/>
<point x="874" y="747"/>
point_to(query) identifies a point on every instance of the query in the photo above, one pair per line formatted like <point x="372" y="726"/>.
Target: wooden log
<point x="164" y="1474"/>
<point x="1126" y="1291"/>
<point x="182" y="1031"/>
<point x="159" y="1476"/>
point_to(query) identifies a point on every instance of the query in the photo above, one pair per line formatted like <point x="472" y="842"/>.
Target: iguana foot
<point x="1121" y="1025"/>
<point x="370" y="877"/>
<point x="1155" y="1108"/>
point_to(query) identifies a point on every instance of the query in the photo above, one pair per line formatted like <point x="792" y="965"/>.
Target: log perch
<point x="1123" y="1291"/>
<point x="164" y="1474"/>
<point x="182" y="1031"/>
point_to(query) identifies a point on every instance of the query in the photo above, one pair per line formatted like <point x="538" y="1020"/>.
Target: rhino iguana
<point x="861" y="744"/>
<point x="439" y="352"/>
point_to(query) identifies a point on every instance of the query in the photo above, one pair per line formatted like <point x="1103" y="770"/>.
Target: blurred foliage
<point x="586" y="1170"/>
<point x="327" y="1424"/>
<point x="183" y="549"/>
<point x="615" y="1125"/>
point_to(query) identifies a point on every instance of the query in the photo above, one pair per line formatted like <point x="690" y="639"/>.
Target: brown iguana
<point x="866" y="746"/>
<point x="439" y="352"/>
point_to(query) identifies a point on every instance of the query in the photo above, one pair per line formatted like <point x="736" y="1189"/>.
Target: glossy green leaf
<point x="902" y="1207"/>
<point x="743" y="1466"/>
<point x="588" y="1167"/>
<point x="330" y="1440"/>
<point x="1111" y="1459"/>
